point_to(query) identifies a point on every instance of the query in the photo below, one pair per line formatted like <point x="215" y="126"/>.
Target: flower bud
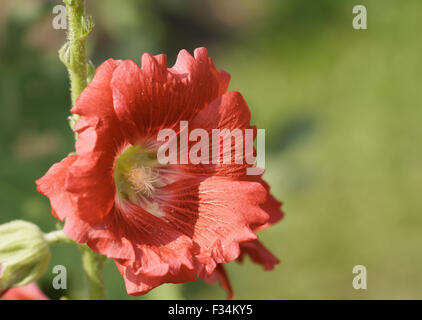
<point x="24" y="254"/>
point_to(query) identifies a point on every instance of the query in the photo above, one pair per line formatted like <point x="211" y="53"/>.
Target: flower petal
<point x="52" y="185"/>
<point x="272" y="206"/>
<point x="220" y="274"/>
<point x="90" y="179"/>
<point x="227" y="113"/>
<point x="153" y="97"/>
<point x="139" y="284"/>
<point x="29" y="292"/>
<point x="216" y="213"/>
<point x="259" y="254"/>
<point x="145" y="245"/>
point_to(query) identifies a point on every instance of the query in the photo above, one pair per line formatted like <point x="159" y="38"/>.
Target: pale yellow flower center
<point x="135" y="173"/>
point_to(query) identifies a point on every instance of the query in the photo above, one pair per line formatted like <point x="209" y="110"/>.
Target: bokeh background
<point x="341" y="109"/>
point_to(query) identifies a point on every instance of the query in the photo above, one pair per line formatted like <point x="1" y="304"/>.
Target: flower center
<point x="135" y="173"/>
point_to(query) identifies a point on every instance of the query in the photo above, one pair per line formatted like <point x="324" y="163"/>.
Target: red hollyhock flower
<point x="160" y="223"/>
<point x="28" y="292"/>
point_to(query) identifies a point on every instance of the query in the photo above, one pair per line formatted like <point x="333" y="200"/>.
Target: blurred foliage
<point x="340" y="109"/>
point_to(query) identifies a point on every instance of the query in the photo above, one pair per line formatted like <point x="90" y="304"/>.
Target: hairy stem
<point x="57" y="237"/>
<point x="73" y="55"/>
<point x="93" y="264"/>
<point x="76" y="47"/>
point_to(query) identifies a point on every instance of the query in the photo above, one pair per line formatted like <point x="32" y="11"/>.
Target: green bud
<point x="24" y="254"/>
<point x="72" y="120"/>
<point x="87" y="25"/>
<point x="64" y="54"/>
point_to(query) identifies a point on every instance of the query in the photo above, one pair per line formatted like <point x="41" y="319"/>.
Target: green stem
<point x="93" y="264"/>
<point x="76" y="59"/>
<point x="73" y="55"/>
<point x="57" y="237"/>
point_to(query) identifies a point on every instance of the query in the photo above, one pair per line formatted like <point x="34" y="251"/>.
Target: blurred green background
<point x="341" y="109"/>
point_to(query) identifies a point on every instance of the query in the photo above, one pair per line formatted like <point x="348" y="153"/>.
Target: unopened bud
<point x="24" y="254"/>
